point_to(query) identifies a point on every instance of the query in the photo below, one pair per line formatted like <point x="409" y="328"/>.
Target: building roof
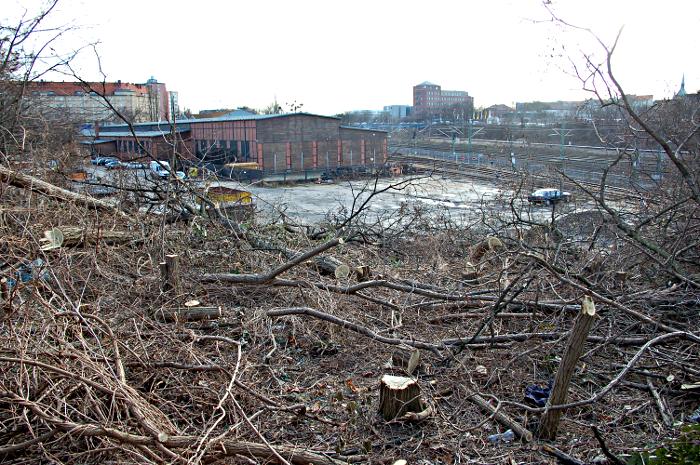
<point x="164" y="132"/>
<point x="363" y="129"/>
<point x="96" y="141"/>
<point x="427" y="83"/>
<point x="218" y="119"/>
<point x="254" y="117"/>
<point x="219" y="113"/>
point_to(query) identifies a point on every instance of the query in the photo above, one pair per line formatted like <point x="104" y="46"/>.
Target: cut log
<point x="406" y="360"/>
<point x="73" y="235"/>
<point x="398" y="396"/>
<point x="574" y="348"/>
<point x="170" y="274"/>
<point x="77" y="236"/>
<point x="479" y="250"/>
<point x="189" y="314"/>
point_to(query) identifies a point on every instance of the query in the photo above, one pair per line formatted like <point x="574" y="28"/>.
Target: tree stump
<point x="362" y="273"/>
<point x="397" y="396"/>
<point x="170" y="274"/>
<point x="574" y="348"/>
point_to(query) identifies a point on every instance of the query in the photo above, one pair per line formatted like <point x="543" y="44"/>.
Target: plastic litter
<point x="538" y="395"/>
<point x="695" y="416"/>
<point x="507" y="436"/>
<point x="29" y="272"/>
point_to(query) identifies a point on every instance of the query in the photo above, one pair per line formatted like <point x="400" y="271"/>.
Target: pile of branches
<point x="109" y="357"/>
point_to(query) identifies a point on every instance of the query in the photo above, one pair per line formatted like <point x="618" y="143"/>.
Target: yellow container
<point x="242" y="166"/>
<point x="225" y="195"/>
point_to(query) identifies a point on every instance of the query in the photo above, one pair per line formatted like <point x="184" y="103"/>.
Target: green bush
<point x="685" y="449"/>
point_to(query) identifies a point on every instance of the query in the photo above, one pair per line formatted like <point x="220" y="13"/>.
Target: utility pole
<point x="173" y="135"/>
<point x="454" y="155"/>
<point x="512" y="154"/>
<point x="562" y="133"/>
<point x="561" y="156"/>
<point x="561" y="145"/>
<point x="469" y="140"/>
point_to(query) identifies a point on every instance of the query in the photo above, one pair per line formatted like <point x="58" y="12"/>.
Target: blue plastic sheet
<point x="29" y="272"/>
<point x="538" y="395"/>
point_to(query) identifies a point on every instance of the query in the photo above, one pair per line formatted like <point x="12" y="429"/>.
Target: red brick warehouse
<point x="287" y="142"/>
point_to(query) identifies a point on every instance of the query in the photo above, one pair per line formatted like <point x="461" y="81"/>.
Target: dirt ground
<point x="293" y="363"/>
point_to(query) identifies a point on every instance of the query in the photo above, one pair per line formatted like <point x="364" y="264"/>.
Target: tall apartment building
<point x="83" y="102"/>
<point x="430" y="99"/>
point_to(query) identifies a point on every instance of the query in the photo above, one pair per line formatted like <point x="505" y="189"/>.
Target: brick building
<point x="277" y="143"/>
<point x="429" y="99"/>
<point x="77" y="101"/>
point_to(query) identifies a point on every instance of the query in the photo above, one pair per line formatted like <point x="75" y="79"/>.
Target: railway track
<point x="585" y="163"/>
<point x="498" y="174"/>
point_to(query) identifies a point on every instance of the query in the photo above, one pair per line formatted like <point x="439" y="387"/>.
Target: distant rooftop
<point x="164" y="132"/>
<point x="237" y="117"/>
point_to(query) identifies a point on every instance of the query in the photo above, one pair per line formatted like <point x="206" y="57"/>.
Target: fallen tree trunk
<point x="34" y="184"/>
<point x="73" y="235"/>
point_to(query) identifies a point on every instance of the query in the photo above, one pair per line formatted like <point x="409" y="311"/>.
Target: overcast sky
<point x="354" y="55"/>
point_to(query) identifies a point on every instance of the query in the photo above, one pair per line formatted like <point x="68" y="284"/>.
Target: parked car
<point x="161" y="170"/>
<point x="101" y="161"/>
<point x="548" y="196"/>
<point x="134" y="165"/>
<point x="114" y="165"/>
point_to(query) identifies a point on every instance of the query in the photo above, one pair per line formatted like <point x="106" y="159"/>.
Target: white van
<point x="161" y="169"/>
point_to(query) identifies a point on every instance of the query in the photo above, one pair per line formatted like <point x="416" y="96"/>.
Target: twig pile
<point x="290" y="371"/>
